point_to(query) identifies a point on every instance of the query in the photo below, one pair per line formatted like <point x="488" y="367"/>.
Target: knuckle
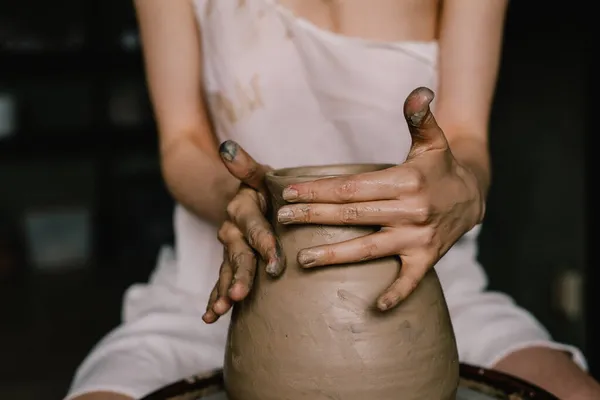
<point x="250" y="173"/>
<point x="350" y="214"/>
<point x="328" y="255"/>
<point x="369" y="251"/>
<point x="226" y="232"/>
<point x="233" y="207"/>
<point x="307" y="213"/>
<point x="240" y="258"/>
<point x="416" y="180"/>
<point x="428" y="237"/>
<point x="257" y="235"/>
<point x="347" y="190"/>
<point x="423" y="213"/>
<point x="222" y="234"/>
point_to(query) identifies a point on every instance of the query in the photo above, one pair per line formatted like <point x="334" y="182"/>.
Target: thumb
<point x="424" y="130"/>
<point x="242" y="166"/>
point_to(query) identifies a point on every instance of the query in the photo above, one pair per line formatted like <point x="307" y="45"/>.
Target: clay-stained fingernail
<point x="417" y="117"/>
<point x="228" y="150"/>
<point x="276" y="265"/>
<point x="285" y="215"/>
<point x="289" y="194"/>
<point x="308" y="258"/>
<point x="274" y="268"/>
<point x="384" y="303"/>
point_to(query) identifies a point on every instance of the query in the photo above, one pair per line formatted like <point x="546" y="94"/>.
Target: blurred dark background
<point x="83" y="209"/>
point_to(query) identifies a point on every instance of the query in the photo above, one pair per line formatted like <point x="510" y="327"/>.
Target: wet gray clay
<point x="317" y="335"/>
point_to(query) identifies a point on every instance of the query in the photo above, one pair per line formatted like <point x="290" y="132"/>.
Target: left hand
<point x="423" y="206"/>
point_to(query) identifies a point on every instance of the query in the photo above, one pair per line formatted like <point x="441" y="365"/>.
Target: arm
<point x="195" y="176"/>
<point x="470" y="43"/>
<point x="192" y="168"/>
<point x="470" y="39"/>
<point x="553" y="370"/>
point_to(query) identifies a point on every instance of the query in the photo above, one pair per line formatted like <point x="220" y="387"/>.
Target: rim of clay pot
<point x="323" y="171"/>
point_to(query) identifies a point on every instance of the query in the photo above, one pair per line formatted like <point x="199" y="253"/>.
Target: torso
<point x="381" y="20"/>
<point x="302" y="82"/>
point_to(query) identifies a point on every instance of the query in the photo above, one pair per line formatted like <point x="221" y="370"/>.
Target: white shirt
<point x="291" y="94"/>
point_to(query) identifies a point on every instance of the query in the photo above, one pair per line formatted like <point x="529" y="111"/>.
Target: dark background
<point x="83" y="209"/>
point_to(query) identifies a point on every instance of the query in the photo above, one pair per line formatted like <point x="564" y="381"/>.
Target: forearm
<point x="197" y="179"/>
<point x="551" y="370"/>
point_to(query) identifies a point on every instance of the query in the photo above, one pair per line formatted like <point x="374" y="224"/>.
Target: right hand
<point x="245" y="234"/>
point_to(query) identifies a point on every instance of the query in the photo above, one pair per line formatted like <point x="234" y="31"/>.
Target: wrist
<point x="473" y="159"/>
<point x="199" y="182"/>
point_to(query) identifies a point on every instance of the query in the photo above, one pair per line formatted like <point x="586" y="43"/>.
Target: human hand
<point x="245" y="234"/>
<point x="423" y="206"/>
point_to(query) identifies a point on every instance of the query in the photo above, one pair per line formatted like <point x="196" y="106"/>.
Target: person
<point x="299" y="82"/>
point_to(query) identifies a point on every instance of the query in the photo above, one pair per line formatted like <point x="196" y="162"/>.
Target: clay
<point x="317" y="334"/>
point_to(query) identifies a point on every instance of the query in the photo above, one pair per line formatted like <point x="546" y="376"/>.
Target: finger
<point x="380" y="213"/>
<point x="258" y="233"/>
<point x="369" y="186"/>
<point x="411" y="274"/>
<point x="387" y="184"/>
<point x="241" y="165"/>
<point x="223" y="302"/>
<point x="209" y="316"/>
<point x="424" y="130"/>
<point x="369" y="247"/>
<point x="243" y="262"/>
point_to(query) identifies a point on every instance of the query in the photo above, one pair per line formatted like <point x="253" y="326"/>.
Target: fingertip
<point x="209" y="317"/>
<point x="416" y="106"/>
<point x="290" y="194"/>
<point x="387" y="302"/>
<point x="308" y="258"/>
<point x="274" y="268"/>
<point x="228" y="150"/>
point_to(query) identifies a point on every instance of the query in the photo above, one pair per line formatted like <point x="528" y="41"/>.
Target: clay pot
<point x="317" y="334"/>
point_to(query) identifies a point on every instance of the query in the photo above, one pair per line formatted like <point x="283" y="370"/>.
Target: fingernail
<point x="285" y="215"/>
<point x="228" y="150"/>
<point x="384" y="304"/>
<point x="273" y="268"/>
<point x="307" y="258"/>
<point x="417" y="117"/>
<point x="289" y="194"/>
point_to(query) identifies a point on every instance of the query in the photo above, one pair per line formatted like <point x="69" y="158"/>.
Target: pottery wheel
<point x="463" y="394"/>
<point x="475" y="384"/>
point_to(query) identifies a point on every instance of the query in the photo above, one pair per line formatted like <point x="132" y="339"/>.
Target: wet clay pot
<point x="317" y="334"/>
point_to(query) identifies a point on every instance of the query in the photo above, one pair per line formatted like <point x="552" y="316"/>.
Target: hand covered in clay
<point x="423" y="206"/>
<point x="244" y="235"/>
